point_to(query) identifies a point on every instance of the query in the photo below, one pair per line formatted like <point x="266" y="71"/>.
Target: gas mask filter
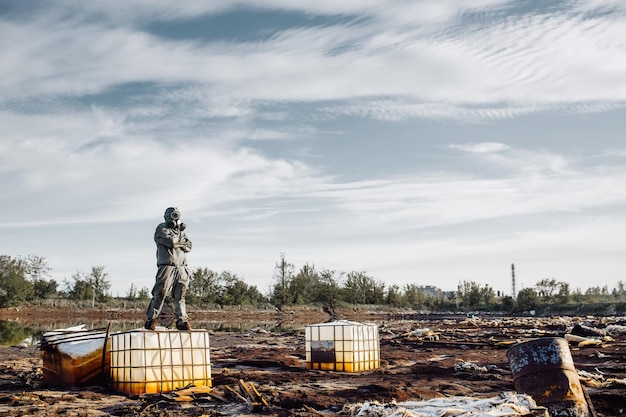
<point x="172" y="216"/>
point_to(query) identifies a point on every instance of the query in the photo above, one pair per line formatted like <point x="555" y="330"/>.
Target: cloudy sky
<point x="420" y="141"/>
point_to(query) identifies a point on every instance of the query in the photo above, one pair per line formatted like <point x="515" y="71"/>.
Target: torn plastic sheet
<point x="507" y="404"/>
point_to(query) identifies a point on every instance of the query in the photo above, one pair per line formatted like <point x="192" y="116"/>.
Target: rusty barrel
<point x="544" y="369"/>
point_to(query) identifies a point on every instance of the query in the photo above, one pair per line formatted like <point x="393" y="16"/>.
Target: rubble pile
<point x="422" y="362"/>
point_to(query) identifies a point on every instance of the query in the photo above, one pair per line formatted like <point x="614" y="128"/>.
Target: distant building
<point x="430" y="290"/>
<point x="449" y="295"/>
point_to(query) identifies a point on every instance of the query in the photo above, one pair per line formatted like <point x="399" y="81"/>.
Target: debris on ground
<point x="421" y="334"/>
<point x="469" y="367"/>
<point x="506" y="404"/>
<point x="412" y="369"/>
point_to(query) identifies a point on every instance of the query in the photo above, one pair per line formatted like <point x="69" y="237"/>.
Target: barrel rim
<point x="528" y="341"/>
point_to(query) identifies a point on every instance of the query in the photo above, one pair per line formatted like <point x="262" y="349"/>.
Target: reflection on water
<point x="18" y="333"/>
<point x="12" y="333"/>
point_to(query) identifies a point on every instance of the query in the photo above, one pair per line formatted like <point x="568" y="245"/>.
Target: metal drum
<point x="544" y="369"/>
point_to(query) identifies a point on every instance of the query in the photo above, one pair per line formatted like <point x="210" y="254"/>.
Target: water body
<point x="13" y="333"/>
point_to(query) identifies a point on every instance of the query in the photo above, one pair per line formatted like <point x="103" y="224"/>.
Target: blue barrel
<point x="544" y="369"/>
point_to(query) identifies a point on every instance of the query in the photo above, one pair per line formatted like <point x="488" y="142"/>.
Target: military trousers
<point x="174" y="280"/>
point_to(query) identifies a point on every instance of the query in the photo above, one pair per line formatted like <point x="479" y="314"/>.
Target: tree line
<point x="25" y="279"/>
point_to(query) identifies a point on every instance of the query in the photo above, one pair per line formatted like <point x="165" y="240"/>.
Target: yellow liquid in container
<point x="342" y="346"/>
<point x="148" y="362"/>
<point x="74" y="358"/>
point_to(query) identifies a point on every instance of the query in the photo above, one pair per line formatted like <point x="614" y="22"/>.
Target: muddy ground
<point x="464" y="357"/>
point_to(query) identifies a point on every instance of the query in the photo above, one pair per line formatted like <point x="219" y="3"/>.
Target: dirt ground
<point x="422" y="357"/>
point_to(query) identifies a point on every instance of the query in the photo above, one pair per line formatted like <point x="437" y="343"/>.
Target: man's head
<point x="172" y="213"/>
<point x="172" y="216"/>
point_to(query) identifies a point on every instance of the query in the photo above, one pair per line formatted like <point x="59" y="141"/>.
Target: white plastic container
<point x="75" y="357"/>
<point x="148" y="362"/>
<point x="342" y="346"/>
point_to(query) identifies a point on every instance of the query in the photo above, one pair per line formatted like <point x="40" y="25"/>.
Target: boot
<point x="183" y="325"/>
<point x="149" y="325"/>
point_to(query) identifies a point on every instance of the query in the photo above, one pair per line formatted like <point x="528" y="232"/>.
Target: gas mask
<point x="172" y="217"/>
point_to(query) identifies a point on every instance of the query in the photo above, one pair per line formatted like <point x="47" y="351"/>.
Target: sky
<point x="423" y="142"/>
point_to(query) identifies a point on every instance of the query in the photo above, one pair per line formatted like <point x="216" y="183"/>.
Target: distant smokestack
<point x="513" y="280"/>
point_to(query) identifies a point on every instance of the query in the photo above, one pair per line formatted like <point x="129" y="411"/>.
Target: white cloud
<point x="506" y="67"/>
<point x="107" y="122"/>
<point x="598" y="5"/>
<point x="401" y="109"/>
<point x="94" y="173"/>
<point x="517" y="160"/>
<point x="140" y="11"/>
<point x="484" y="147"/>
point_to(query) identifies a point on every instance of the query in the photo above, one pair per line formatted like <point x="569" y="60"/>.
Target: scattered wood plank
<point x="313" y="411"/>
<point x="260" y="397"/>
<point x="218" y="397"/>
<point x="241" y="397"/>
<point x="255" y="400"/>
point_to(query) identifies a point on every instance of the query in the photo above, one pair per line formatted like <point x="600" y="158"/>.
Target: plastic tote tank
<point x="148" y="362"/>
<point x="75" y="357"/>
<point x="342" y="346"/>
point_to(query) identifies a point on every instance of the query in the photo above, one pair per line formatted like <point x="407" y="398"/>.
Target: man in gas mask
<point x="172" y="274"/>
